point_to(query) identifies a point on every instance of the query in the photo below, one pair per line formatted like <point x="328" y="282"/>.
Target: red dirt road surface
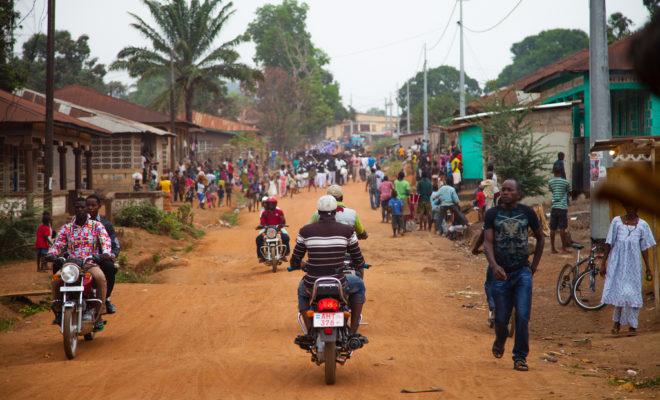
<point x="222" y="327"/>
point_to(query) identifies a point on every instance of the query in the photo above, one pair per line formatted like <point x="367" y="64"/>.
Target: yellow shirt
<point x="454" y="164"/>
<point x="166" y="186"/>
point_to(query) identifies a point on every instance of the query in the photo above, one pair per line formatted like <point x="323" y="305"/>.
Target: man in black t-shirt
<point x="505" y="232"/>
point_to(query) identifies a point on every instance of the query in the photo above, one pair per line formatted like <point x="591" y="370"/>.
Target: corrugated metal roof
<point x="89" y="97"/>
<point x="533" y="108"/>
<point x="112" y="123"/>
<point x="14" y="108"/>
<point x="220" y="124"/>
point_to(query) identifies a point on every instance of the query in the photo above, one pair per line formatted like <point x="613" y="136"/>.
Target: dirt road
<point x="223" y="328"/>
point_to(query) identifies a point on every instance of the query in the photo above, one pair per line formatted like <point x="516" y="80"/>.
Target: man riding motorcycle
<point x="326" y="242"/>
<point x="344" y="215"/>
<point x="272" y="215"/>
<point x="79" y="239"/>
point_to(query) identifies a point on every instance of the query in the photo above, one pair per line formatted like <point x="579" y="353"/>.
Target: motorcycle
<point x="330" y="313"/>
<point x="80" y="307"/>
<point x="273" y="249"/>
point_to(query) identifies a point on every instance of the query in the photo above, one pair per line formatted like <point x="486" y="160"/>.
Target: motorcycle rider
<point x="326" y="242"/>
<point x="79" y="238"/>
<point x="272" y="215"/>
<point x="107" y="266"/>
<point x="344" y="215"/>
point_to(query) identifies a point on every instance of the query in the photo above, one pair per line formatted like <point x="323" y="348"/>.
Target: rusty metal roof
<point x="14" y="108"/>
<point x="88" y="97"/>
<point x="220" y="124"/>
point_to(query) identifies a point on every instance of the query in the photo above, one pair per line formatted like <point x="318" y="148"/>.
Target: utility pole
<point x="49" y="135"/>
<point x="426" y="105"/>
<point x="461" y="90"/>
<point x="408" y="107"/>
<point x="172" y="110"/>
<point x="600" y="119"/>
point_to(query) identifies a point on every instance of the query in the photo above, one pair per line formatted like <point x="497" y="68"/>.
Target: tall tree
<point x="539" y="50"/>
<point x="618" y="27"/>
<point x="652" y="5"/>
<point x="278" y="107"/>
<point x="184" y="34"/>
<point x="10" y="74"/>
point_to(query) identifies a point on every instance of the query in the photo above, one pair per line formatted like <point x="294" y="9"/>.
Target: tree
<point x="652" y="5"/>
<point x="10" y="72"/>
<point x="441" y="109"/>
<point x="278" y="107"/>
<point x="442" y="80"/>
<point x="184" y="35"/>
<point x="618" y="27"/>
<point x="73" y="62"/>
<point x="375" y="111"/>
<point x="539" y="50"/>
<point x="514" y="150"/>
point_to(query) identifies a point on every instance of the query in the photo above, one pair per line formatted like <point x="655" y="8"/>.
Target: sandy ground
<point x="222" y="327"/>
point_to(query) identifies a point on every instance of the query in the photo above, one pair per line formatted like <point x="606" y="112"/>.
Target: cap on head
<point x="326" y="203"/>
<point x="272" y="200"/>
<point x="264" y="199"/>
<point x="335" y="191"/>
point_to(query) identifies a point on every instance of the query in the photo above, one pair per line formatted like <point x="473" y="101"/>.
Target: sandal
<point x="497" y="353"/>
<point x="520" y="365"/>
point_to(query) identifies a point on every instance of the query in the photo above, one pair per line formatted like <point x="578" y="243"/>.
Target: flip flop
<point x="520" y="365"/>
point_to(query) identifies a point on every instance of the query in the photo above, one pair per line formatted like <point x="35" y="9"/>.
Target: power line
<point x="387" y="44"/>
<point x="498" y="23"/>
<point x="451" y="46"/>
<point x="446" y="26"/>
<point x="476" y="60"/>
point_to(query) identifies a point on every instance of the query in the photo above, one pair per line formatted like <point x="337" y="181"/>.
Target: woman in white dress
<point x="627" y="237"/>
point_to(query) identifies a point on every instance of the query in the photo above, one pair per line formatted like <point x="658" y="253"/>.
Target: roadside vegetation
<point x="175" y="224"/>
<point x="17" y="229"/>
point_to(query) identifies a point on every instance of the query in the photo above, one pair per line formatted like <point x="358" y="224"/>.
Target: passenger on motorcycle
<point x="344" y="215"/>
<point x="326" y="242"/>
<point x="79" y="239"/>
<point x="272" y="215"/>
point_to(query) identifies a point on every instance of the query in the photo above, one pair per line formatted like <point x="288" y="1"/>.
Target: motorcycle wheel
<point x="70" y="333"/>
<point x="273" y="265"/>
<point x="330" y="363"/>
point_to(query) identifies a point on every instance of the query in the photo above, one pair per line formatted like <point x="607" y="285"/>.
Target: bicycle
<point x="584" y="287"/>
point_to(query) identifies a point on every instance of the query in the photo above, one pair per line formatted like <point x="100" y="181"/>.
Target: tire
<point x="70" y="333"/>
<point x="565" y="282"/>
<point x="273" y="265"/>
<point x="330" y="363"/>
<point x="588" y="290"/>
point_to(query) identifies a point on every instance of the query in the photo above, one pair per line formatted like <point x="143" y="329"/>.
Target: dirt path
<point x="223" y="328"/>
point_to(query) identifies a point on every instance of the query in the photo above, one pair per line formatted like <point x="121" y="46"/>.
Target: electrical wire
<point x="442" y="35"/>
<point x="497" y="24"/>
<point x="384" y="46"/>
<point x="451" y="46"/>
<point x="476" y="60"/>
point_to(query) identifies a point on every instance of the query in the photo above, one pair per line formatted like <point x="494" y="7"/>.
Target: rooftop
<point x="213" y="122"/>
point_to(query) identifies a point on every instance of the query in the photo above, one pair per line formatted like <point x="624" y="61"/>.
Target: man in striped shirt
<point x="326" y="242"/>
<point x="560" y="188"/>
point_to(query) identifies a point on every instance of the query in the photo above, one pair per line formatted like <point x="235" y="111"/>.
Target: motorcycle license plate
<point x="328" y="320"/>
<point x="71" y="289"/>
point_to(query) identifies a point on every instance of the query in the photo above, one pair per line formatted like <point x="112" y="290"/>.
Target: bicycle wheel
<point x="588" y="290"/>
<point x="565" y="282"/>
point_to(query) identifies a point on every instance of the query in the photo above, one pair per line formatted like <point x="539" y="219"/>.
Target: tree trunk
<point x="189" y="103"/>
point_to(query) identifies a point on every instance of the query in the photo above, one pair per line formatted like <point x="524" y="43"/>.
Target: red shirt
<point x="272" y="217"/>
<point x="43" y="233"/>
<point x="481" y="200"/>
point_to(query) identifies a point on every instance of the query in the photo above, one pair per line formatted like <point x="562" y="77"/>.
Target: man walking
<point x="424" y="190"/>
<point x="372" y="187"/>
<point x="559" y="187"/>
<point x="505" y="232"/>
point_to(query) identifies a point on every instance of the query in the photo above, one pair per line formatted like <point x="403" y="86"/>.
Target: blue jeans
<point x="516" y="292"/>
<point x="374" y="198"/>
<point x="488" y="288"/>
<point x="356" y="292"/>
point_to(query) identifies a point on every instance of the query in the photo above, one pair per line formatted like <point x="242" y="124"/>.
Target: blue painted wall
<point x="470" y="140"/>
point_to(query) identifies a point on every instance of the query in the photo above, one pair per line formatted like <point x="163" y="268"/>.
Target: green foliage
<point x="184" y="34"/>
<point x="122" y="260"/>
<point x="10" y="71"/>
<point x="375" y="111"/>
<point x="539" y="50"/>
<point x="652" y="5"/>
<point x="31" y="309"/>
<point x="17" y="232"/>
<point x="515" y="152"/>
<point x="383" y="144"/>
<point x="440" y="109"/>
<point x="148" y="217"/>
<point x="230" y="217"/>
<point x="156" y="257"/>
<point x="132" y="276"/>
<point x="188" y="248"/>
<point x="442" y="81"/>
<point x="618" y="27"/>
<point x="6" y="324"/>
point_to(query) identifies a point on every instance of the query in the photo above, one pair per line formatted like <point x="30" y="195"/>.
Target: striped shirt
<point x="325" y="243"/>
<point x="559" y="187"/>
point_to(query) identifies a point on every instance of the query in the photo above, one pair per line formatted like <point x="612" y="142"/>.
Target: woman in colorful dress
<point x="627" y="238"/>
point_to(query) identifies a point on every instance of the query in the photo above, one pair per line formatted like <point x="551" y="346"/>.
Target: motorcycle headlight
<point x="271" y="233"/>
<point x="70" y="273"/>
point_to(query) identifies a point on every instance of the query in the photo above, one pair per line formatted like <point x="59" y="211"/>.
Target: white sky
<point x="345" y="27"/>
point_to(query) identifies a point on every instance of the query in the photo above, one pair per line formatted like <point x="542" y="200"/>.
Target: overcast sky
<point x="373" y="44"/>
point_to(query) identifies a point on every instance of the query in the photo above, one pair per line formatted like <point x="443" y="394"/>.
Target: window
<point x="365" y="128"/>
<point x="630" y="112"/>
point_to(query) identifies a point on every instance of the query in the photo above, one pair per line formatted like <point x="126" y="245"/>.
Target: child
<point x="480" y="202"/>
<point x="228" y="189"/>
<point x="200" y="193"/>
<point x="212" y="195"/>
<point x="396" y="208"/>
<point x="291" y="183"/>
<point x="43" y="239"/>
<point x="221" y="192"/>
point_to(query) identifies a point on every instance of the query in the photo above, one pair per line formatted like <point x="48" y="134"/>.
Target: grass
<point x="6" y="324"/>
<point x="132" y="276"/>
<point x="156" y="257"/>
<point x="648" y="383"/>
<point x="230" y="217"/>
<point x="188" y="248"/>
<point x="32" y="309"/>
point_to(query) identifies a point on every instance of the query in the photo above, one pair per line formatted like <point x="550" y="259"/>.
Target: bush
<point x="148" y="217"/>
<point x="17" y="232"/>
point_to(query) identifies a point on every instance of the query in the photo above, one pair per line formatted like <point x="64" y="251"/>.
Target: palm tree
<point x="184" y="36"/>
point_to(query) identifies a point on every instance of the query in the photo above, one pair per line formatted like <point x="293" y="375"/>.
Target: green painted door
<point x="470" y="141"/>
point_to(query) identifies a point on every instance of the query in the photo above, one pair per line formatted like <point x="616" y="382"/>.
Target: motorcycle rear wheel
<point x="70" y="334"/>
<point x="330" y="363"/>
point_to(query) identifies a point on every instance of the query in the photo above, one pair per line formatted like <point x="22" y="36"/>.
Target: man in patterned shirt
<point x="79" y="239"/>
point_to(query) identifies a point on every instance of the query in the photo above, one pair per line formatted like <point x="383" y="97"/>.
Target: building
<point x="363" y="124"/>
<point x="22" y="158"/>
<point x="217" y="132"/>
<point x="559" y="97"/>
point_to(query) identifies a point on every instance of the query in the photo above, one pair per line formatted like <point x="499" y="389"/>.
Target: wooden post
<point x="77" y="152"/>
<point x="62" y="150"/>
<point x="88" y="166"/>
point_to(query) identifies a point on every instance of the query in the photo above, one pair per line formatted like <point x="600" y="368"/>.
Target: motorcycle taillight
<point x="328" y="304"/>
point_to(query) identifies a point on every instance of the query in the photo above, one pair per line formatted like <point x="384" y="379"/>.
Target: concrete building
<point x="217" y="132"/>
<point x="363" y="124"/>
